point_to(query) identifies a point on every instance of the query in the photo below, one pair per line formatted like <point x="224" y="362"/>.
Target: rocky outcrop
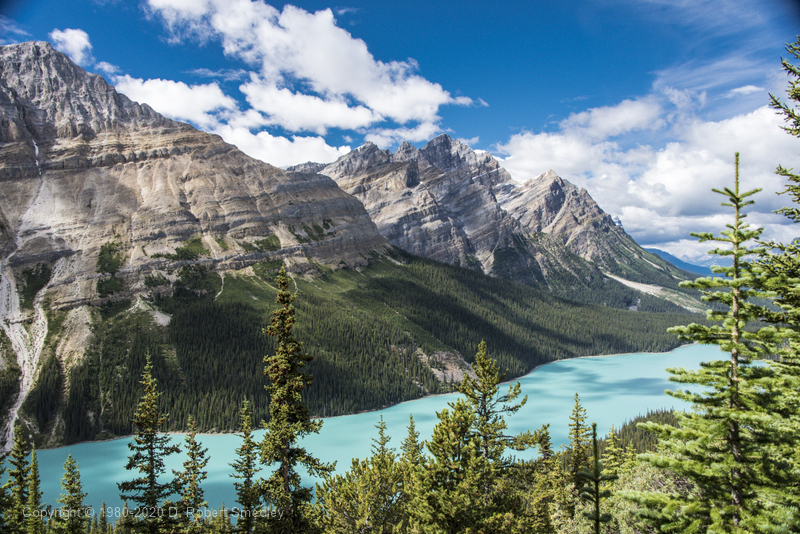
<point x="452" y="204"/>
<point x="82" y="166"/>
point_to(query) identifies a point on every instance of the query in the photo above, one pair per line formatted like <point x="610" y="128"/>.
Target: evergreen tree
<point x="720" y="441"/>
<point x="190" y="480"/>
<point x="781" y="265"/>
<point x="245" y="469"/>
<point x="465" y="485"/>
<point x="368" y="497"/>
<point x="102" y="522"/>
<point x="35" y="522"/>
<point x="17" y="484"/>
<point x="593" y="492"/>
<point x="5" y="500"/>
<point x="289" y="420"/>
<point x="542" y="483"/>
<point x="578" y="443"/>
<point x="612" y="456"/>
<point x="150" y="447"/>
<point x="71" y="518"/>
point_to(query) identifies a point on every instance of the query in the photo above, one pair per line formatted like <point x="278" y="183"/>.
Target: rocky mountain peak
<point x="44" y="92"/>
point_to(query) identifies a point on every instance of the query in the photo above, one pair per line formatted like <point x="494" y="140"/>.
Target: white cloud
<point x="106" y="67"/>
<point x="307" y="62"/>
<point x="662" y="194"/>
<point x="280" y="151"/>
<point x="387" y="137"/>
<point x="611" y="121"/>
<point x="300" y="112"/>
<point x="746" y="90"/>
<point x="177" y="100"/>
<point x="74" y="43"/>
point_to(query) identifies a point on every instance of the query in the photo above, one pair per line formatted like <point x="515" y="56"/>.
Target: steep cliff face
<point x="82" y="166"/>
<point x="452" y="204"/>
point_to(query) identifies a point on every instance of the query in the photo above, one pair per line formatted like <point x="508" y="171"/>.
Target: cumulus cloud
<point x="663" y="192"/>
<point x="310" y="74"/>
<point x="74" y="43"/>
<point x="177" y="100"/>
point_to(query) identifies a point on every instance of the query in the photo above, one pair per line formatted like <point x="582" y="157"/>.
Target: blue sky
<point x="642" y="102"/>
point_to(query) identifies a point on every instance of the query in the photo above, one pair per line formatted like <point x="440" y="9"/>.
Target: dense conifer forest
<point x="365" y="356"/>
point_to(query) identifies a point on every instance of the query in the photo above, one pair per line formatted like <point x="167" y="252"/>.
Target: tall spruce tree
<point x="593" y="491"/>
<point x="720" y="442"/>
<point x="289" y="420"/>
<point x="190" y="481"/>
<point x="465" y="485"/>
<point x="149" y="447"/>
<point x="781" y="265"/>
<point x="368" y="498"/>
<point x="245" y="470"/>
<point x="17" y="484"/>
<point x="35" y="523"/>
<point x="578" y="442"/>
<point x="72" y="517"/>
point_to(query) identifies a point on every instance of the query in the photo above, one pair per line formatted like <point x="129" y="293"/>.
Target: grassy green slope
<point x="363" y="329"/>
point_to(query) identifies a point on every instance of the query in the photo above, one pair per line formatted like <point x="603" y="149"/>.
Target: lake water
<point x="613" y="389"/>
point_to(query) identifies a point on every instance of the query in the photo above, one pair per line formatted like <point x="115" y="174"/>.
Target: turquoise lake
<point x="613" y="389"/>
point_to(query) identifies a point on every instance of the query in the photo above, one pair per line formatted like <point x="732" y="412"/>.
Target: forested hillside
<point x="370" y="332"/>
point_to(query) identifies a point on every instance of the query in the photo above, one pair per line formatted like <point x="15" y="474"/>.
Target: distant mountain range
<point x="692" y="268"/>
<point x="123" y="233"/>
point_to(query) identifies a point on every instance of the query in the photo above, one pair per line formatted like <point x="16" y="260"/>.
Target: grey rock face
<point x="83" y="165"/>
<point x="452" y="204"/>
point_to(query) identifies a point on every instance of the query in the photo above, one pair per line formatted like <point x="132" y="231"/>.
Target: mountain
<point x="89" y="175"/>
<point x="692" y="268"/>
<point x="451" y="204"/>
<point x="124" y="235"/>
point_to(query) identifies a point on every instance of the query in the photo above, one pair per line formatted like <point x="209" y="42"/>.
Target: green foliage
<point x="267" y="269"/>
<point x="149" y="448"/>
<point x="109" y="259"/>
<point x="34" y="524"/>
<point x="720" y="441"/>
<point x="191" y="250"/>
<point x="9" y="374"/>
<point x="289" y="420"/>
<point x="270" y="243"/>
<point x="221" y="242"/>
<point x="368" y="498"/>
<point x="155" y="280"/>
<point x="17" y="484"/>
<point x="43" y="400"/>
<point x="578" y="443"/>
<point x="464" y="485"/>
<point x="72" y="517"/>
<point x="592" y="491"/>
<point x="190" y="483"/>
<point x="109" y="286"/>
<point x="245" y="469"/>
<point x="34" y="280"/>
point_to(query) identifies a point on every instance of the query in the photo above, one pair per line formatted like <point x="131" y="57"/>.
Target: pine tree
<point x="781" y="264"/>
<point x="150" y="447"/>
<point x="245" y="469"/>
<point x="5" y="499"/>
<point x="368" y="497"/>
<point x="719" y="443"/>
<point x="102" y="523"/>
<point x="71" y="518"/>
<point x="542" y="483"/>
<point x="578" y="442"/>
<point x="465" y="485"/>
<point x="35" y="522"/>
<point x="612" y="455"/>
<point x="190" y="481"/>
<point x="17" y="485"/>
<point x="592" y="491"/>
<point x="289" y="420"/>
